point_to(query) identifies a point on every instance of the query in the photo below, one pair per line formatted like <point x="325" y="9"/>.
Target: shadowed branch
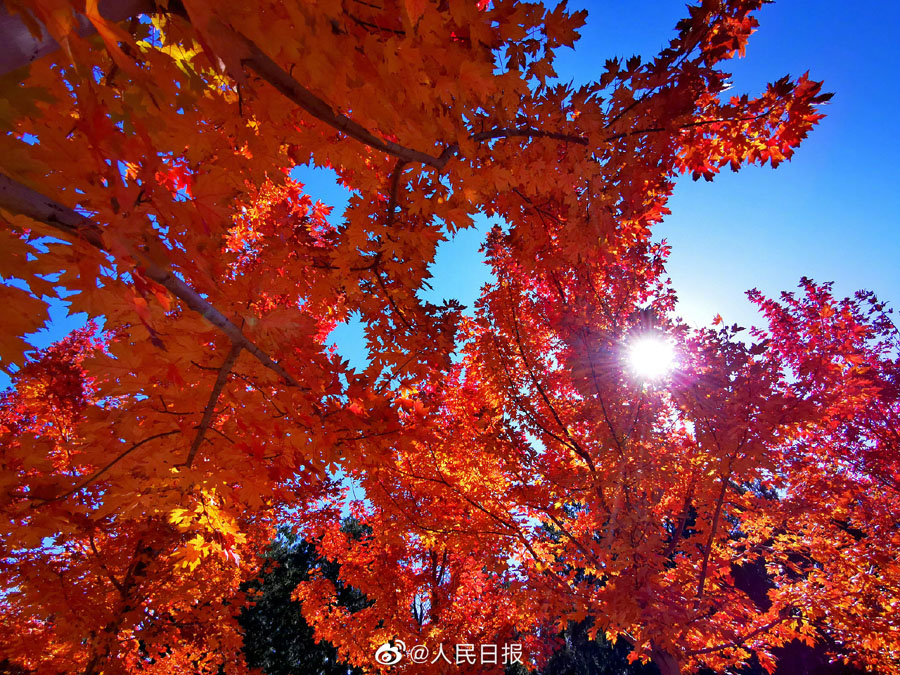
<point x="221" y="379"/>
<point x="17" y="198"/>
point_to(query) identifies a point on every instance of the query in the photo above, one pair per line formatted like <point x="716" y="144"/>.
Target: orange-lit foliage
<point x="526" y="481"/>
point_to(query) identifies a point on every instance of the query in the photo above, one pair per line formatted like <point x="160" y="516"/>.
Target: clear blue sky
<point x="828" y="214"/>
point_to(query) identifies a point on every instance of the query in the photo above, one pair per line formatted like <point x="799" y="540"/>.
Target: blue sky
<point x="828" y="214"/>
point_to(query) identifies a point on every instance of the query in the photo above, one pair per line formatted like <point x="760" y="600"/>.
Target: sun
<point x="651" y="357"/>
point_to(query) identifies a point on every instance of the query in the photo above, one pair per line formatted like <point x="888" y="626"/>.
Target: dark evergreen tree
<point x="277" y="639"/>
<point x="579" y="655"/>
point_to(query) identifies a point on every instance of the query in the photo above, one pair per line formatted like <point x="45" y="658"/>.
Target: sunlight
<point x="651" y="357"/>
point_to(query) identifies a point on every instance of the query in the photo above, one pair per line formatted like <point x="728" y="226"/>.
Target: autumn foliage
<point x="516" y="474"/>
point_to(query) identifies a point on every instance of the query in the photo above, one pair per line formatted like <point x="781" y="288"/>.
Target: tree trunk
<point x="667" y="664"/>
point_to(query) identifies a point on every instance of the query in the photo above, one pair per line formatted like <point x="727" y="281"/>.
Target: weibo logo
<point x="389" y="655"/>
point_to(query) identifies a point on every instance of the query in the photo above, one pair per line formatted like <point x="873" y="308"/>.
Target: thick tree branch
<point x="196" y="302"/>
<point x="219" y="385"/>
<point x="17" y="198"/>
<point x="271" y="72"/>
<point x="665" y="661"/>
<point x="262" y="65"/>
<point x="394" y="189"/>
<point x="21" y="48"/>
<point x="712" y="533"/>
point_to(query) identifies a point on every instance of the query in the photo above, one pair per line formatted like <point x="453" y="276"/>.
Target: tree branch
<point x="395" y="187"/>
<point x="115" y="582"/>
<point x="196" y="302"/>
<point x="271" y="72"/>
<point x="689" y="125"/>
<point x="575" y="445"/>
<point x="21" y="48"/>
<point x="526" y="132"/>
<point x="377" y="273"/>
<point x="219" y="385"/>
<point x="18" y="198"/>
<point x="94" y="476"/>
<point x="665" y="661"/>
<point x="682" y="522"/>
<point x="712" y="533"/>
<point x="739" y="641"/>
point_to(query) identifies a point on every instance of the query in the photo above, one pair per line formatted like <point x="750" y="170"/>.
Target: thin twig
<point x="575" y="445"/>
<point x="526" y="132"/>
<point x="689" y="125"/>
<point x="390" y="299"/>
<point x="739" y="641"/>
<point x="115" y="582"/>
<point x="94" y="476"/>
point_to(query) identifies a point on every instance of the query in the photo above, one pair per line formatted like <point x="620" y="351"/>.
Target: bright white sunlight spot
<point x="651" y="357"/>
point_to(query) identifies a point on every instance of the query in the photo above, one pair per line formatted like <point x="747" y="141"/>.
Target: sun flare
<point x="651" y="357"/>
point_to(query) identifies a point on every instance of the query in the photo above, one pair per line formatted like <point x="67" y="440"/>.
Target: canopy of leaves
<point x="517" y="476"/>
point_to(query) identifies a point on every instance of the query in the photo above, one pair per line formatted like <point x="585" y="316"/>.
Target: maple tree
<point x="516" y="476"/>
